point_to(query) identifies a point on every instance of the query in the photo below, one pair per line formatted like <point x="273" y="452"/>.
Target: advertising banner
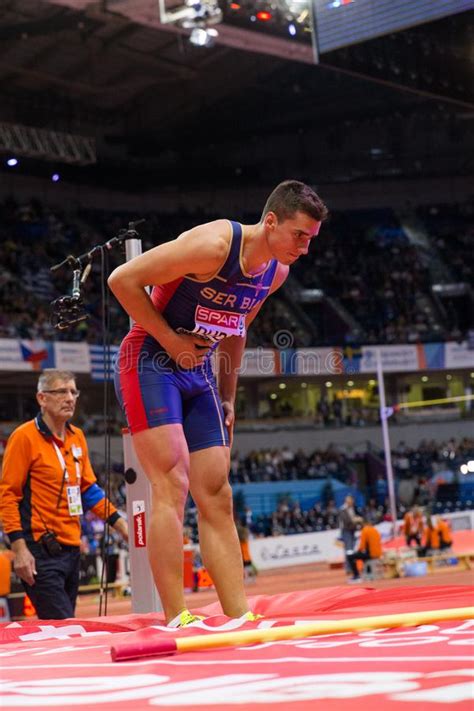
<point x="262" y="362"/>
<point x="72" y="356"/>
<point x="395" y="359"/>
<point x="319" y="361"/>
<point x="284" y="551"/>
<point x="458" y="355"/>
<point x="26" y="355"/>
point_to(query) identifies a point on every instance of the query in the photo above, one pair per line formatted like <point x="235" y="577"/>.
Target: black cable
<point x="104" y="264"/>
<point x="107" y="400"/>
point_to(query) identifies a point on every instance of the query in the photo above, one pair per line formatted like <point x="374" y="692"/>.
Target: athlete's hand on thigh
<point x="229" y="419"/>
<point x="188" y="349"/>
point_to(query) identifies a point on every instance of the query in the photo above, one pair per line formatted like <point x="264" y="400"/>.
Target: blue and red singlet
<point x="151" y="388"/>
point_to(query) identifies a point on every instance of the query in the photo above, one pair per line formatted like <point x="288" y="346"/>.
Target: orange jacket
<point x="431" y="537"/>
<point x="444" y="531"/>
<point x="245" y="549"/>
<point x="371" y="541"/>
<point x="412" y="525"/>
<point x="33" y="488"/>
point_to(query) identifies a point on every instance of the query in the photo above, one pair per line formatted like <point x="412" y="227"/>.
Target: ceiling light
<point x="203" y="36"/>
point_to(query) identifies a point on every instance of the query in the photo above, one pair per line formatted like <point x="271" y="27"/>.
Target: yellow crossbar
<point x="438" y="401"/>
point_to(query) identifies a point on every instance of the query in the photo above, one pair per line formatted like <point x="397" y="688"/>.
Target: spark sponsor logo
<point x="224" y="320"/>
<point x="139" y="530"/>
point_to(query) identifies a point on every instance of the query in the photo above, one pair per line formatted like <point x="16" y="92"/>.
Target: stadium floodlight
<point x="199" y="16"/>
<point x="203" y="36"/>
<point x="191" y="11"/>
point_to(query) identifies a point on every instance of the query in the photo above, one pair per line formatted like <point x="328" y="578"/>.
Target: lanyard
<point x="66" y="473"/>
<point x="60" y="457"/>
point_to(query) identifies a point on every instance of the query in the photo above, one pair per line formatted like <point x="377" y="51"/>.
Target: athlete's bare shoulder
<point x="213" y="240"/>
<point x="198" y="252"/>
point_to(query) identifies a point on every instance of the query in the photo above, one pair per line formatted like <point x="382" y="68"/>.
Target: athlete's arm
<point x="230" y="353"/>
<point x="201" y="250"/>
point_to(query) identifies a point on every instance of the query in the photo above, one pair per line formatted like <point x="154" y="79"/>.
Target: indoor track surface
<point x="313" y="648"/>
<point x="281" y="580"/>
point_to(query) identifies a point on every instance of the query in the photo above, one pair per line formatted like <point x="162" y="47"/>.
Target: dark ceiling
<point x="162" y="108"/>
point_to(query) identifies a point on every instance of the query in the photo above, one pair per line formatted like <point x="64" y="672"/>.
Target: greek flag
<point x="98" y="362"/>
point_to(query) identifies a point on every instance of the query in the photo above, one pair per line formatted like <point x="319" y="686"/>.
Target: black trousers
<point x="56" y="585"/>
<point x="353" y="557"/>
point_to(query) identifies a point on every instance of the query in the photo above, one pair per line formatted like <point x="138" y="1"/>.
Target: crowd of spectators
<point x="366" y="261"/>
<point x="285" y="464"/>
<point x="451" y="231"/>
<point x="363" y="260"/>
<point x="427" y="466"/>
<point x="289" y="519"/>
<point x="430" y="458"/>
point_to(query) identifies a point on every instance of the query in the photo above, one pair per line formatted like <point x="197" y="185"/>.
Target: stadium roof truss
<point x="49" y="145"/>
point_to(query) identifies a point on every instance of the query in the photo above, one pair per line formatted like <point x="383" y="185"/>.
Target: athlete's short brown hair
<point x="292" y="196"/>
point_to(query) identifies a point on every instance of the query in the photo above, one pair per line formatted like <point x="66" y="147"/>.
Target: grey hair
<point x="50" y="375"/>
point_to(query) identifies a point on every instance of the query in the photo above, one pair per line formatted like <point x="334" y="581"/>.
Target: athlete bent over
<point x="208" y="286"/>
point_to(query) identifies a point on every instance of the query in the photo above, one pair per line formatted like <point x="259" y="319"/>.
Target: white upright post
<point x="144" y="594"/>
<point x="384" y="415"/>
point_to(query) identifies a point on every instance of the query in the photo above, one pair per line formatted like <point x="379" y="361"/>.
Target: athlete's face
<point x="290" y="239"/>
<point x="59" y="400"/>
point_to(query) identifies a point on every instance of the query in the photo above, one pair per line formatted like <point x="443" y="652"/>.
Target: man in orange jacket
<point x="445" y="535"/>
<point x="413" y="526"/>
<point x="431" y="538"/>
<point x="47" y="481"/>
<point x="370" y="548"/>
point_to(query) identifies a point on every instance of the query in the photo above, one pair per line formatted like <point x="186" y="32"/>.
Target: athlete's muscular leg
<point x="220" y="548"/>
<point x="164" y="456"/>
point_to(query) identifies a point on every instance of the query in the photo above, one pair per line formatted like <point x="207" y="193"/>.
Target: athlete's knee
<point x="171" y="486"/>
<point x="216" y="499"/>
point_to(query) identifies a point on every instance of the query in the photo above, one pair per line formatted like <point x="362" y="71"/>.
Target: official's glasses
<point x="62" y="392"/>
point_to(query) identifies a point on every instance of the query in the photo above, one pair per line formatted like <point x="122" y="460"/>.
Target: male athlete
<point x="208" y="286"/>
